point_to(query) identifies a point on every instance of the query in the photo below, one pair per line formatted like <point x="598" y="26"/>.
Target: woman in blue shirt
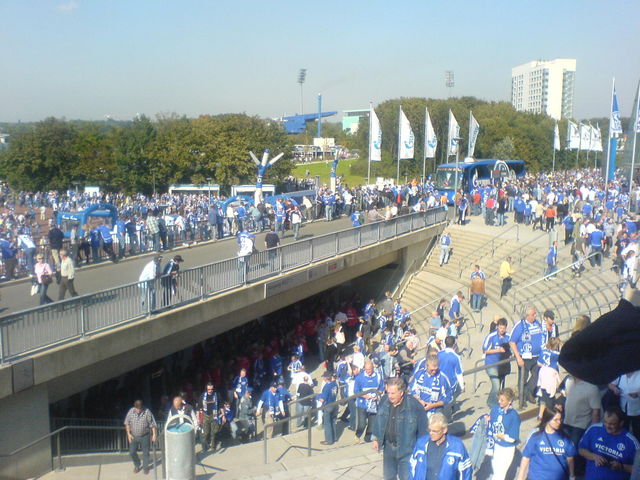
<point x="505" y="425"/>
<point x="549" y="453"/>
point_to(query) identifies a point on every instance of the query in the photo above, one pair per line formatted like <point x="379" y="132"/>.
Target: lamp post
<point x="457" y="139"/>
<point x="209" y="188"/>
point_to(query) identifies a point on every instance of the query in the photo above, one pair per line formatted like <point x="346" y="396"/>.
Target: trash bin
<point x="180" y="448"/>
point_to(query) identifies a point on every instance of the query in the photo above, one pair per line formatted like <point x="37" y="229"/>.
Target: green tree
<point x="504" y="149"/>
<point x="41" y="158"/>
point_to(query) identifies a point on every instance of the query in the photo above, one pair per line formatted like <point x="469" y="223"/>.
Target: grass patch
<point x="323" y="170"/>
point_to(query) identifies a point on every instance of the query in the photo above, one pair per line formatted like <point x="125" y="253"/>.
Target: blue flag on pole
<point x="616" y="123"/>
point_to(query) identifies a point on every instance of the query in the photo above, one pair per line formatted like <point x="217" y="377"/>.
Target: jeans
<point x="575" y="434"/>
<point x="303" y="410"/>
<point x="243" y="268"/>
<point x="30" y="257"/>
<point x="506" y="285"/>
<point x="529" y="376"/>
<point x="393" y="466"/>
<point x="500" y="219"/>
<point x="596" y="259"/>
<point x="444" y="254"/>
<point x="497" y="383"/>
<point x="329" y="424"/>
<point x="143" y="443"/>
<point x="476" y="301"/>
<point x="364" y="419"/>
<point x="328" y="210"/>
<point x="551" y="270"/>
<point x="296" y="230"/>
<point x="42" y="291"/>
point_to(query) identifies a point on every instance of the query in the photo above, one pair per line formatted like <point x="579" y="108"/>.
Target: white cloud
<point x="67" y="7"/>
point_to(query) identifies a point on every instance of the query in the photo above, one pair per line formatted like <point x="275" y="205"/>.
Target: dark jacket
<point x="412" y="423"/>
<point x="605" y="349"/>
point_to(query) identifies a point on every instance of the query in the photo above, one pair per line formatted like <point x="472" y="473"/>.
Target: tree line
<point x="144" y="155"/>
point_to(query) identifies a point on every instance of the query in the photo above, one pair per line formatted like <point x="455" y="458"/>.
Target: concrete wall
<point x="24" y="418"/>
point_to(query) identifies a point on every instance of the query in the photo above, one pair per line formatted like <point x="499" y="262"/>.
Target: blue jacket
<point x="456" y="464"/>
<point x="411" y="423"/>
<point x="431" y="389"/>
<point x="365" y="382"/>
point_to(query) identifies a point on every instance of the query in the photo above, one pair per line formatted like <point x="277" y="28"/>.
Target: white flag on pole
<point x="430" y="139"/>
<point x="474" y="129"/>
<point x="597" y="139"/>
<point x="594" y="141"/>
<point x="573" y="135"/>
<point x="556" y="138"/>
<point x="406" y="138"/>
<point x="454" y="134"/>
<point x="585" y="137"/>
<point x="375" y="137"/>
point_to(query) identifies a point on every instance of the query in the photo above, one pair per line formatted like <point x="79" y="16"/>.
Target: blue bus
<point x="479" y="172"/>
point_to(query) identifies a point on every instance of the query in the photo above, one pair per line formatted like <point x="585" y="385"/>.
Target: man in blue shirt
<point x="597" y="242"/>
<point x="526" y="344"/>
<point x="431" y="387"/>
<point x="454" y="308"/>
<point x="496" y="348"/>
<point x="329" y="395"/>
<point x="569" y="224"/>
<point x="367" y="405"/>
<point x="445" y="248"/>
<point x="552" y="261"/>
<point x="272" y="403"/>
<point x="451" y="366"/>
<point x="438" y="455"/>
<point x="609" y="448"/>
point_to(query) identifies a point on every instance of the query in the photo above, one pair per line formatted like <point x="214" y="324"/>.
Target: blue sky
<point x="87" y="58"/>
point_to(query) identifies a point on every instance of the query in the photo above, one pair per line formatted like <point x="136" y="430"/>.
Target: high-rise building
<point x="544" y="87"/>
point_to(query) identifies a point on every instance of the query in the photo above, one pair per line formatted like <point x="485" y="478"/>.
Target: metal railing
<point x="491" y="244"/>
<point x="52" y="324"/>
<point x="55" y="438"/>
<point x="545" y="277"/>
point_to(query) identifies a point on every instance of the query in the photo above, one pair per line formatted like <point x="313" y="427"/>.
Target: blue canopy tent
<point x="68" y="220"/>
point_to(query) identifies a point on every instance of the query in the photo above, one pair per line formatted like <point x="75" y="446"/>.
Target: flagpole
<point x="606" y="175"/>
<point x="589" y="149"/>
<point x="369" y="163"/>
<point x="595" y="156"/>
<point x="579" y="145"/>
<point x="399" y="140"/>
<point x="424" y="150"/>
<point x="633" y="150"/>
<point x="469" y="141"/>
<point x="553" y="160"/>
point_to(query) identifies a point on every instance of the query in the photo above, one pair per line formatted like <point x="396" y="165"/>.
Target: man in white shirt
<point x="151" y="271"/>
<point x="67" y="274"/>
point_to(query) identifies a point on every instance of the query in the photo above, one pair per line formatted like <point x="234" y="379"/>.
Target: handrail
<point x="57" y="433"/>
<point x="574" y="298"/>
<point x="549" y="275"/>
<point x="489" y="242"/>
<point x="136" y="300"/>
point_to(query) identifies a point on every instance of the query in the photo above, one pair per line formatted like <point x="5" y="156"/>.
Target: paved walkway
<point x="105" y="275"/>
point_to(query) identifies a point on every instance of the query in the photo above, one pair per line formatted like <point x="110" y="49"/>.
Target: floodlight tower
<point x="302" y="76"/>
<point x="449" y="81"/>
